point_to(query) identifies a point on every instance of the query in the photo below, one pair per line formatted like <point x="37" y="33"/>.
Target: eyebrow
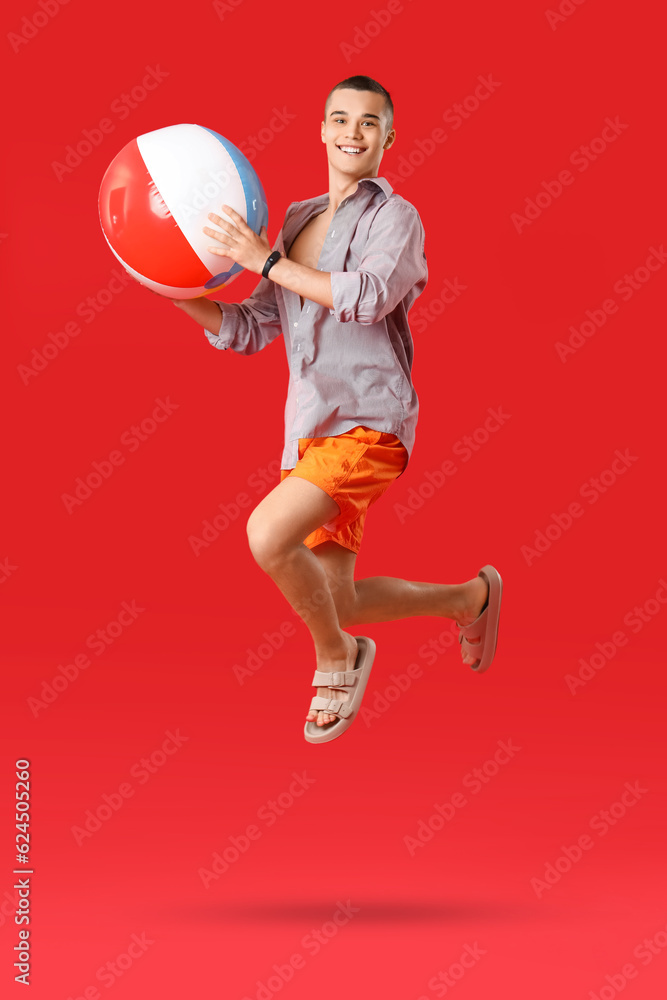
<point x="347" y="113"/>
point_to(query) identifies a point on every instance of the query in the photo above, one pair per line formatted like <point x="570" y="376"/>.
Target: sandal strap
<point x="475" y="649"/>
<point x="331" y="705"/>
<point x="335" y="678"/>
<point x="476" y="629"/>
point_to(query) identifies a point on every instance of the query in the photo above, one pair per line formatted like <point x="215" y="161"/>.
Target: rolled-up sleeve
<point x="250" y="325"/>
<point x="393" y="263"/>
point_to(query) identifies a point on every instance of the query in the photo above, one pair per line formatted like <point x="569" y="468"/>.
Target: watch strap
<point x="270" y="261"/>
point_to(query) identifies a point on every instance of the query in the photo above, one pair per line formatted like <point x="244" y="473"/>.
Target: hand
<point x="177" y="302"/>
<point x="238" y="241"/>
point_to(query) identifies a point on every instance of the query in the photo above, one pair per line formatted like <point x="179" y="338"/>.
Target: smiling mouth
<point x="344" y="149"/>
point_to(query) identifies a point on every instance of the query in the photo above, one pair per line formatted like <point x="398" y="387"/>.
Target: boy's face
<point x="356" y="119"/>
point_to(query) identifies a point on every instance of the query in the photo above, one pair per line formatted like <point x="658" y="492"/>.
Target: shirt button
<point x="296" y="324"/>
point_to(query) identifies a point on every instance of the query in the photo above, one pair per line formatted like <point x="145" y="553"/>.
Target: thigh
<point x="380" y="462"/>
<point x="354" y="469"/>
<point x="292" y="510"/>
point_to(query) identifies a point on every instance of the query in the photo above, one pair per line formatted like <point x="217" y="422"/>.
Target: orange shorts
<point x="355" y="469"/>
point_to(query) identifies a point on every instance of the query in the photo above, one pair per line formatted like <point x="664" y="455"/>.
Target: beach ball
<point x="154" y="202"/>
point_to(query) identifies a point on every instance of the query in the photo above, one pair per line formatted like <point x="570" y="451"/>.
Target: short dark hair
<point x="364" y="83"/>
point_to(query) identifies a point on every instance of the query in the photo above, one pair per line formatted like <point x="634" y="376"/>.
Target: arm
<point x="237" y="241"/>
<point x="205" y="312"/>
<point x="393" y="264"/>
<point x="245" y="326"/>
<point x="306" y="281"/>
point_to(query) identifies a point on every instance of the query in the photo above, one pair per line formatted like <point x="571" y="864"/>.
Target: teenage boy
<point x="346" y="268"/>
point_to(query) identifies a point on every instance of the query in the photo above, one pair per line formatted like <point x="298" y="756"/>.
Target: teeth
<point x="350" y="149"/>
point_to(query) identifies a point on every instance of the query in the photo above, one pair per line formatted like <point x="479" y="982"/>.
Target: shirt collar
<point x="381" y="182"/>
<point x="302" y="209"/>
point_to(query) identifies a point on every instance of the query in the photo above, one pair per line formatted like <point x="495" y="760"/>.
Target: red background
<point x="67" y="574"/>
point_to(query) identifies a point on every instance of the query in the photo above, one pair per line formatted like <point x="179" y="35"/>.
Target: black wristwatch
<point x="271" y="260"/>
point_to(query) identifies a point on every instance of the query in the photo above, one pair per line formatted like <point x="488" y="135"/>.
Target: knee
<point x="262" y="541"/>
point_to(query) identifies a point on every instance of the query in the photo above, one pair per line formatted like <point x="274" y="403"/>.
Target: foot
<point x="474" y="595"/>
<point x="344" y="661"/>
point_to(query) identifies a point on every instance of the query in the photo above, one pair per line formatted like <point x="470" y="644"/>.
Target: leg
<point x="276" y="529"/>
<point x="387" y="598"/>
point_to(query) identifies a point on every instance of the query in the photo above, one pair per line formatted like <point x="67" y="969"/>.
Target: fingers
<point x="217" y="234"/>
<point x="237" y="219"/>
<point x="228" y="210"/>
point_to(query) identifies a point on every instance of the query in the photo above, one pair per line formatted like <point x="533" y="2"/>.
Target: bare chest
<point x="307" y="246"/>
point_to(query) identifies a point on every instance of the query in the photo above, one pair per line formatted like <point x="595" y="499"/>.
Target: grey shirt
<point x="351" y="364"/>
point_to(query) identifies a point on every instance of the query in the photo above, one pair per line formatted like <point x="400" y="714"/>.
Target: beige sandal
<point x="485" y="626"/>
<point x="345" y="710"/>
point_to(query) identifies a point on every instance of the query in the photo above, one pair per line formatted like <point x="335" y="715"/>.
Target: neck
<point x="340" y="187"/>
